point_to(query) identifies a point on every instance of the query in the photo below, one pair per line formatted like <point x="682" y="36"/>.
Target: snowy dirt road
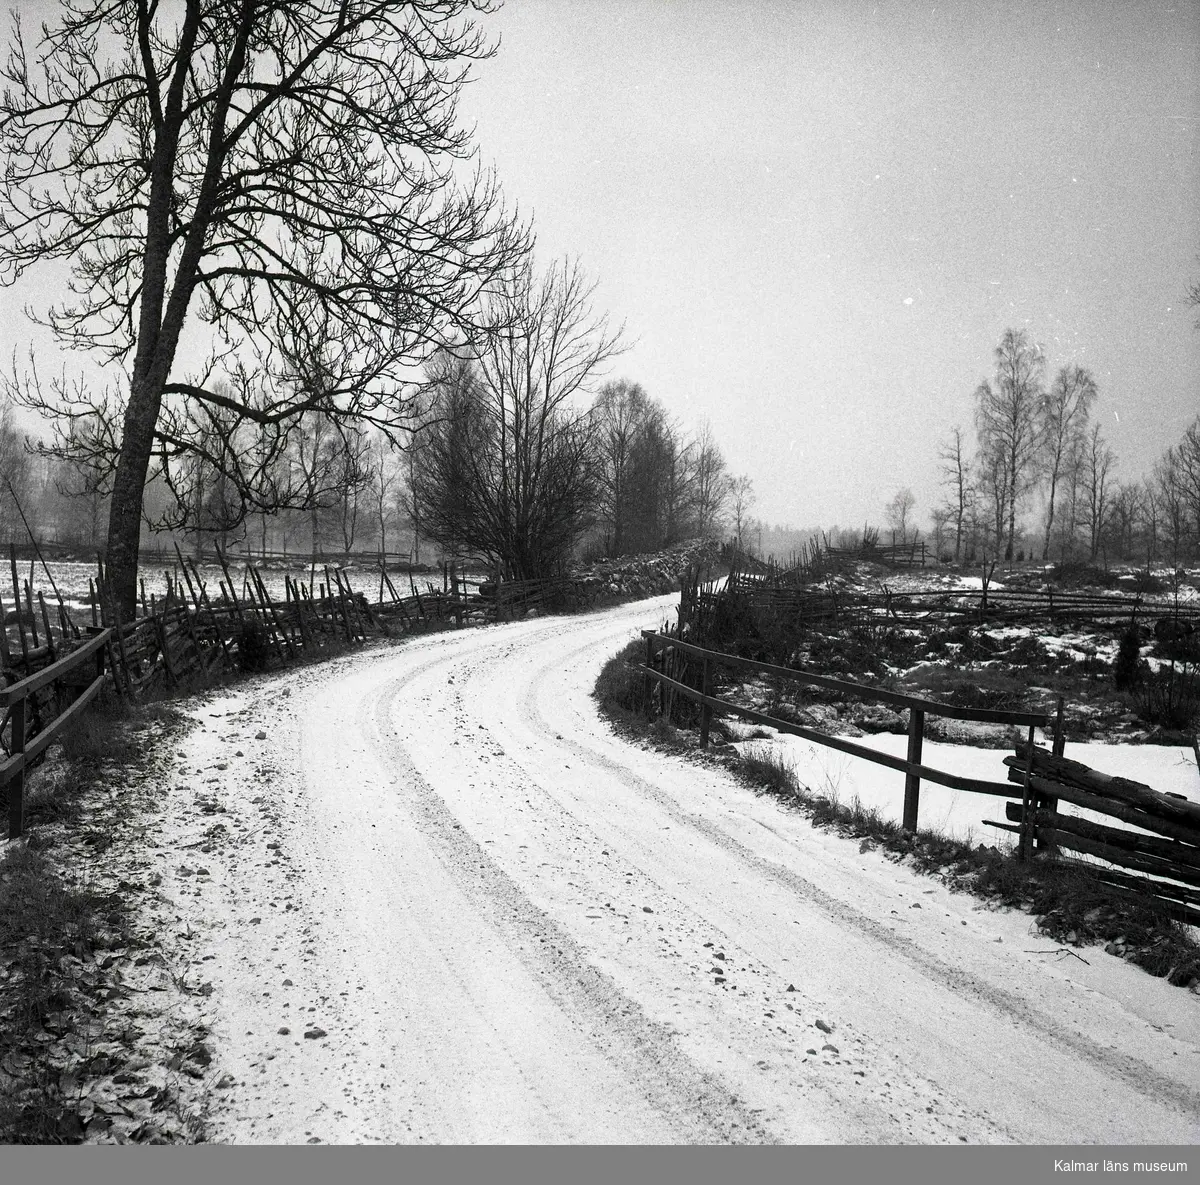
<point x="442" y="901"/>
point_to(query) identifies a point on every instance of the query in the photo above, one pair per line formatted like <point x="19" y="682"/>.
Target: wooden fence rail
<point x="659" y="646"/>
<point x="15" y="701"/>
<point x="1163" y="867"/>
<point x="1170" y="854"/>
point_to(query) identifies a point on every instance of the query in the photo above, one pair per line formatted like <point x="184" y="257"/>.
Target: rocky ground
<point x="633" y="577"/>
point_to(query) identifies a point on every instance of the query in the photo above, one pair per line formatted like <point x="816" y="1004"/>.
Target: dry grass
<point x="1070" y="904"/>
<point x="620" y="689"/>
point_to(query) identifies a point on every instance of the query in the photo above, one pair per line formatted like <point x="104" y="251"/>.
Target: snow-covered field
<point x="437" y="899"/>
<point x="71" y="578"/>
<point x="959" y="813"/>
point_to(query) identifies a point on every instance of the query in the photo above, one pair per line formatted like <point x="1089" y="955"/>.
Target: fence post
<point x="1060" y="741"/>
<point x="16" y="788"/>
<point x="647" y="682"/>
<point x="912" y="781"/>
<point x="662" y="687"/>
<point x="1051" y="804"/>
<point x="5" y="661"/>
<point x="705" y="710"/>
<point x="1025" y="842"/>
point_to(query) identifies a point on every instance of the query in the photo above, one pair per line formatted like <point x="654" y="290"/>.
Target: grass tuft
<point x="619" y="686"/>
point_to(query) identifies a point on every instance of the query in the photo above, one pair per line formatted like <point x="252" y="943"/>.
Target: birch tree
<point x="956" y="475"/>
<point x="1063" y="414"/>
<point x="1099" y="461"/>
<point x="1007" y="422"/>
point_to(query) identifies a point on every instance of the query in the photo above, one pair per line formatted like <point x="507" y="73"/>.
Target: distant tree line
<point x="1037" y="479"/>
<point x="517" y="455"/>
<point x="341" y="491"/>
<point x="511" y="462"/>
<point x="1038" y="448"/>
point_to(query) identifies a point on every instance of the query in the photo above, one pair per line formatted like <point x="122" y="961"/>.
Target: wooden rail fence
<point x="661" y="648"/>
<point x="81" y="671"/>
<point x="1163" y="866"/>
<point x="1162" y="857"/>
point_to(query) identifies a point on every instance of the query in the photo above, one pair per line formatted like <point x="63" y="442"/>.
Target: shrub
<point x="619" y="684"/>
<point x="1076" y="574"/>
<point x="252" y="646"/>
<point x="1127" y="669"/>
<point x="1170" y="696"/>
<point x="1146" y="582"/>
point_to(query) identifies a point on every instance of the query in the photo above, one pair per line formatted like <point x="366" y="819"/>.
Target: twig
<point x="29" y="531"/>
<point x="1058" y="950"/>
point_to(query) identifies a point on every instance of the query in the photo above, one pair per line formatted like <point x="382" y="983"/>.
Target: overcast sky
<point x="818" y="219"/>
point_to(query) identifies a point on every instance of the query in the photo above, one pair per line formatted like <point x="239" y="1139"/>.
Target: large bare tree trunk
<point x="125" y="508"/>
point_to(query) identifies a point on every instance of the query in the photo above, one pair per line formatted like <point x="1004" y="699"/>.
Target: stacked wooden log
<point x="1162" y="856"/>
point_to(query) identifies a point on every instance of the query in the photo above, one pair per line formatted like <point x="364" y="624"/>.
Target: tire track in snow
<point x="871" y="1114"/>
<point x="1135" y="1073"/>
<point x="696" y="1102"/>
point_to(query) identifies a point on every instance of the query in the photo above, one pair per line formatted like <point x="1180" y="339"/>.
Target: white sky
<point x="817" y="219"/>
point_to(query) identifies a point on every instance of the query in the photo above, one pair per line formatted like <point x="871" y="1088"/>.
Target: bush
<point x="252" y="645"/>
<point x="1146" y="582"/>
<point x="1127" y="669"/>
<point x="1076" y="574"/>
<point x="1028" y="652"/>
<point x="619" y="684"/>
<point x="1170" y="696"/>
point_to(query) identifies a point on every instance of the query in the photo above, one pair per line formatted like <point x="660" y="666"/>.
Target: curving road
<point x="502" y="923"/>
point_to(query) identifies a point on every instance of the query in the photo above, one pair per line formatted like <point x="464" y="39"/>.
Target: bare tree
<point x="1098" y="463"/>
<point x="957" y="476"/>
<point x="1186" y="457"/>
<point x="352" y="470"/>
<point x="1076" y="498"/>
<point x="252" y="166"/>
<point x="80" y="492"/>
<point x="1127" y="515"/>
<point x="621" y="411"/>
<point x="1172" y="506"/>
<point x="1063" y="413"/>
<point x="506" y="466"/>
<point x="1007" y="422"/>
<point x="742" y="497"/>
<point x="658" y="490"/>
<point x="1151" y="515"/>
<point x="940" y="518"/>
<point x="324" y="461"/>
<point x="991" y="476"/>
<point x="15" y="473"/>
<point x="711" y="483"/>
<point x="898" y="510"/>
<point x="384" y="486"/>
